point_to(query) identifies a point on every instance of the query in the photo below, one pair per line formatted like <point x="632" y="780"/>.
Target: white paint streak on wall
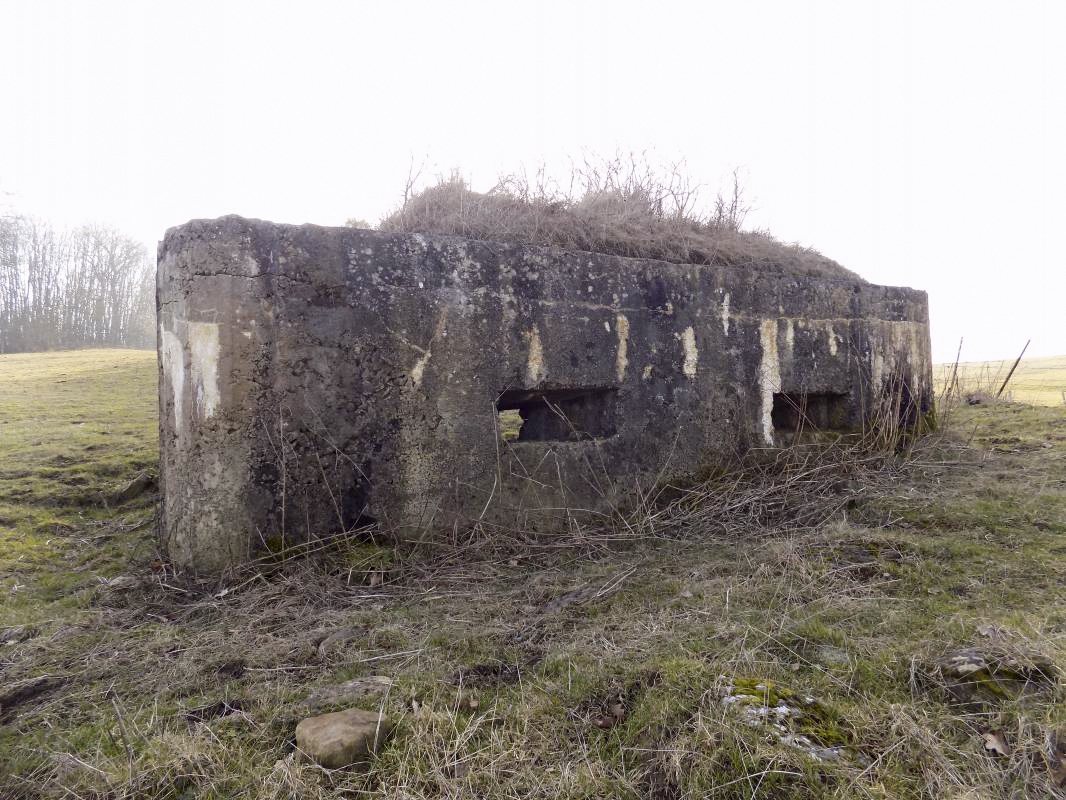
<point x="688" y="342"/>
<point x="899" y="340"/>
<point x="832" y="338"/>
<point x="419" y="368"/>
<point x="535" y="362"/>
<point x="203" y="364"/>
<point x="769" y="376"/>
<point x="790" y="337"/>
<point x="173" y="356"/>
<point x="621" y="359"/>
<point x="725" y="313"/>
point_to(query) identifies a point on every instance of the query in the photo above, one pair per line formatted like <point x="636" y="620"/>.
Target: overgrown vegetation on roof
<point x="622" y="206"/>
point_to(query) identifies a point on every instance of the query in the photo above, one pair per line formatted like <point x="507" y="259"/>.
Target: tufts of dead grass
<point x="621" y="206"/>
<point x="596" y="664"/>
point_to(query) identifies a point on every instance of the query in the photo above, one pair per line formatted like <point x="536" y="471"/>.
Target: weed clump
<point x="620" y="206"/>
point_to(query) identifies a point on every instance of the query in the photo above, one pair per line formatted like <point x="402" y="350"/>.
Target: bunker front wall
<point x="315" y="379"/>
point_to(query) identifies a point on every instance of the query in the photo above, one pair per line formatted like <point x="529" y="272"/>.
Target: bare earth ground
<point x="803" y="663"/>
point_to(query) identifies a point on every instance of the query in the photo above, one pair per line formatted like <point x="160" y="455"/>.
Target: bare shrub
<point x="621" y="206"/>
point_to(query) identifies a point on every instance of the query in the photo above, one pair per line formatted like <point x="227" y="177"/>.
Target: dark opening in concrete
<point x="820" y="411"/>
<point x="557" y="415"/>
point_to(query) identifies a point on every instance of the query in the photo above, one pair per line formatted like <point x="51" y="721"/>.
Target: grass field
<point x="1037" y="381"/>
<point x="746" y="660"/>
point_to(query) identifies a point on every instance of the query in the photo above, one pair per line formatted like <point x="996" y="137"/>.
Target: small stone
<point x="338" y="638"/>
<point x="136" y="487"/>
<point x="832" y="656"/>
<point x="349" y="691"/>
<point x="962" y="663"/>
<point x="343" y="737"/>
<point x="467" y="701"/>
<point x="17" y="634"/>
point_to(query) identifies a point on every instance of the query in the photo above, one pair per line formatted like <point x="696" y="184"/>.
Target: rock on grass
<point x="348" y="692"/>
<point x="343" y="737"/>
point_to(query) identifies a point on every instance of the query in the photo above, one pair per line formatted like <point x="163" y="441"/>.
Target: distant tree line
<point x="88" y="287"/>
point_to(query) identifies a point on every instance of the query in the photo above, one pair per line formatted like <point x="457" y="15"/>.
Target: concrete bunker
<point x="312" y="379"/>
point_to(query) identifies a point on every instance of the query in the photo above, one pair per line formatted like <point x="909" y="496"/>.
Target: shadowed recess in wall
<point x="553" y="415"/>
<point x="819" y="411"/>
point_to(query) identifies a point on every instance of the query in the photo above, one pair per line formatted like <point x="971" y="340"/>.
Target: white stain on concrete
<point x="203" y="366"/>
<point x="769" y="376"/>
<point x="621" y="359"/>
<point x="173" y="356"/>
<point x="692" y="356"/>
<point x="725" y="314"/>
<point x="790" y="336"/>
<point x="535" y="363"/>
<point x="832" y="338"/>
<point x="420" y="367"/>
<point x="418" y="370"/>
<point x="900" y="340"/>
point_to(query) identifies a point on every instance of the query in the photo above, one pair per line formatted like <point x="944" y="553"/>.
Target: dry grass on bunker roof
<point x="621" y="206"/>
<point x="634" y="670"/>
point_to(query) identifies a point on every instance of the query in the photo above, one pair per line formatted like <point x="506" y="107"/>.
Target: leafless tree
<point x="89" y="287"/>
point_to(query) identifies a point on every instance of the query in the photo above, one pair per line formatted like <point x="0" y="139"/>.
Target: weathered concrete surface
<point x="312" y="379"/>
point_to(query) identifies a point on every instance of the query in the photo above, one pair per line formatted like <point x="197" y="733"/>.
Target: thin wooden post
<point x="952" y="384"/>
<point x="1007" y="379"/>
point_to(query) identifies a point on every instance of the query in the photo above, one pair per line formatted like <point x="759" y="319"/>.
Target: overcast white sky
<point x="920" y="144"/>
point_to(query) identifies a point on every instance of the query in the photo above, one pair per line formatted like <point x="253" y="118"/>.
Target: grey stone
<point x="135" y="488"/>
<point x="349" y="691"/>
<point x="343" y="737"/>
<point x="17" y="634"/>
<point x="832" y="656"/>
<point x="338" y="638"/>
<point x="317" y="379"/>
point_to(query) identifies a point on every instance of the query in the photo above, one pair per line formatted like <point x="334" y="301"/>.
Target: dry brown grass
<point x="1037" y="381"/>
<point x="621" y="206"/>
<point x="163" y="689"/>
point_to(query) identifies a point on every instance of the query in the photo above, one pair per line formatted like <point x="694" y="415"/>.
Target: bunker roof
<point x="612" y="222"/>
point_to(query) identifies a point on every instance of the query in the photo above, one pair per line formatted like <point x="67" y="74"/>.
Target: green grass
<point x="74" y="426"/>
<point x="599" y="671"/>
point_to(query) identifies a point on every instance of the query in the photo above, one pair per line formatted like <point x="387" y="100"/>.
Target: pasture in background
<point x="1036" y="381"/>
